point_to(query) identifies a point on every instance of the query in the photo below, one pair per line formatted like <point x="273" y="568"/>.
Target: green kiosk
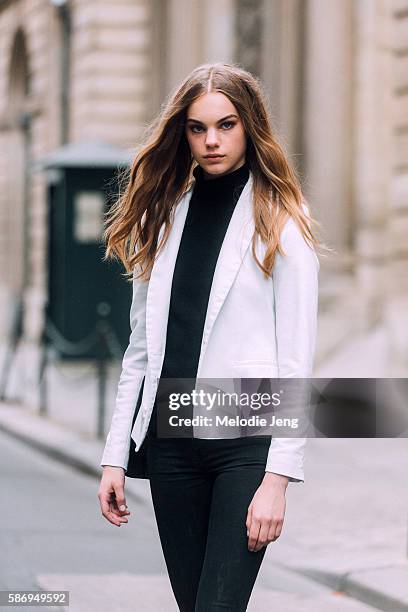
<point x="82" y="183"/>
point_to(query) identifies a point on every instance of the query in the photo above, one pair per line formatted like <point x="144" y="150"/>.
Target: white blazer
<point x="254" y="327"/>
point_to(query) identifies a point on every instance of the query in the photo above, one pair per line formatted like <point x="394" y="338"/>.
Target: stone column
<point x="249" y="31"/>
<point x="185" y="35"/>
<point x="372" y="154"/>
<point x="327" y="117"/>
<point x="281" y="70"/>
<point x="397" y="303"/>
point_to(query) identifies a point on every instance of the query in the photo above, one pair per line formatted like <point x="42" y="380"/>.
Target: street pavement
<point x="343" y="546"/>
<point x="345" y="529"/>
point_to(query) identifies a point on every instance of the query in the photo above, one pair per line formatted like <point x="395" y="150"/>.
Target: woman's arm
<point x="295" y="284"/>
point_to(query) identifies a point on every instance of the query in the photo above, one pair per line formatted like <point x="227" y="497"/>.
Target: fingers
<point x="107" y="511"/>
<point x="111" y="500"/>
<point x="272" y="533"/>
<point x="262" y="536"/>
<point x="253" y="534"/>
<point x="275" y="530"/>
<point x="119" y="491"/>
<point x="261" y="531"/>
<point x="115" y="508"/>
<point x="249" y="519"/>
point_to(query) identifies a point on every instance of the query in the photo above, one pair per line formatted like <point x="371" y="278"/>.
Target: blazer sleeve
<point x="134" y="365"/>
<point x="295" y="284"/>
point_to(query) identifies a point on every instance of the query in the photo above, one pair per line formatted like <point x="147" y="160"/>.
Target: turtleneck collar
<point x="223" y="183"/>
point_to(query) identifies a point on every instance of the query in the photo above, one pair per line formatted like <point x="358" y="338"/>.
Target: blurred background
<point x="79" y="81"/>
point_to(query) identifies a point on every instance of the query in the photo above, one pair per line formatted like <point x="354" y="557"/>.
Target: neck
<point x="222" y="182"/>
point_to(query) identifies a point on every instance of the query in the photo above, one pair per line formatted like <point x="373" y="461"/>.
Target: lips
<point x="213" y="156"/>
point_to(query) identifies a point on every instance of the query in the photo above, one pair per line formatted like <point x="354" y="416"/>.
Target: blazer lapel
<point x="232" y="252"/>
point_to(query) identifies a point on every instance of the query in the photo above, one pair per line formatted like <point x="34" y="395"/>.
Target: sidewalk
<point x="345" y="527"/>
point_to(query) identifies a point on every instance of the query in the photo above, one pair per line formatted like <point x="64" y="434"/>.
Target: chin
<point x="216" y="168"/>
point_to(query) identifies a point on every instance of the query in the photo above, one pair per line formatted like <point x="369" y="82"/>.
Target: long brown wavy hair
<point x="161" y="174"/>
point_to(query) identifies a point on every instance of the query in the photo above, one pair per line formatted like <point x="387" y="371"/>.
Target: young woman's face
<point x="213" y="127"/>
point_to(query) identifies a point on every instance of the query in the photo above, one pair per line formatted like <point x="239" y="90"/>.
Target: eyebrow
<point x="219" y="120"/>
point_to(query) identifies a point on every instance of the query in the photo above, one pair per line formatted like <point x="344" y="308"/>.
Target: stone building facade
<point x="337" y="78"/>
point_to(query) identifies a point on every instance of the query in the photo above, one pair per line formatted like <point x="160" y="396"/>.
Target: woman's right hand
<point x="111" y="495"/>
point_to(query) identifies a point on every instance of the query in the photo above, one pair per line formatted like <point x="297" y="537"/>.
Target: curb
<point x="363" y="584"/>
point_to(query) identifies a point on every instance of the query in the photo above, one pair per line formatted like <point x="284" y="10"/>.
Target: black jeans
<point x="201" y="490"/>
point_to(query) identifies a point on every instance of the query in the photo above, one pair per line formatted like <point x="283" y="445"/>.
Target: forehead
<point x="211" y="107"/>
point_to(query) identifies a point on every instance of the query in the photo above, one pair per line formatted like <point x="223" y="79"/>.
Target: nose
<point x="212" y="137"/>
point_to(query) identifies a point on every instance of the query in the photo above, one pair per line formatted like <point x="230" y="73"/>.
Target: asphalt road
<point x="53" y="536"/>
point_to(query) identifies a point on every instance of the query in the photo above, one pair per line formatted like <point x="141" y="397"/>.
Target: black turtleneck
<point x="211" y="206"/>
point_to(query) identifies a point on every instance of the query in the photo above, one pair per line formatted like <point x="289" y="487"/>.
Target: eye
<point x="198" y="127"/>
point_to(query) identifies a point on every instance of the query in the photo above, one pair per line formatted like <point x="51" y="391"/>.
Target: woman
<point x="213" y="229"/>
